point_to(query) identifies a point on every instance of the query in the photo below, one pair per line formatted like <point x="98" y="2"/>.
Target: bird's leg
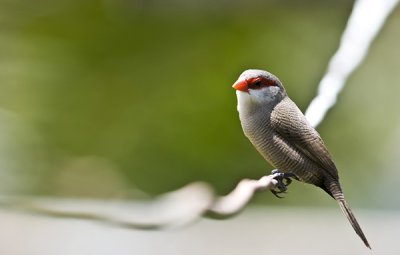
<point x="283" y="181"/>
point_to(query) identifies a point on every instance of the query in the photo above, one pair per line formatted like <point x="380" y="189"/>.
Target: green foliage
<point x="146" y="85"/>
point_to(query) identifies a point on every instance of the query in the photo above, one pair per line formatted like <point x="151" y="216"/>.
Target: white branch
<point x="365" y="22"/>
<point x="235" y="201"/>
<point x="172" y="209"/>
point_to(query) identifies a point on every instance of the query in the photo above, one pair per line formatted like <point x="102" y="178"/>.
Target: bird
<point x="282" y="135"/>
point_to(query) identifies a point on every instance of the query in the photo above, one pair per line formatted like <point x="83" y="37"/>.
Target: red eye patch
<point x="260" y="82"/>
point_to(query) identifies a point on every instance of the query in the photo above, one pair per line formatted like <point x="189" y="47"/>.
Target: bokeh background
<point x="130" y="99"/>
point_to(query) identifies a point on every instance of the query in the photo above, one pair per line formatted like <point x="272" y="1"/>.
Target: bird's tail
<point x="337" y="193"/>
<point x="353" y="221"/>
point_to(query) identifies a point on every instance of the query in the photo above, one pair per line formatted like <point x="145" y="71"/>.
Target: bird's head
<point x="259" y="87"/>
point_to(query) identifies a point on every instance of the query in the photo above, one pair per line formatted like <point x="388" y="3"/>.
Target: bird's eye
<point x="260" y="82"/>
<point x="256" y="83"/>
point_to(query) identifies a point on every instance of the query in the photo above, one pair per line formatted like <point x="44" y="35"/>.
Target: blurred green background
<point x="124" y="98"/>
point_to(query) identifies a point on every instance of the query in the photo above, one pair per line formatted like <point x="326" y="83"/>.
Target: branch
<point x="234" y="202"/>
<point x="366" y="20"/>
<point x="172" y="209"/>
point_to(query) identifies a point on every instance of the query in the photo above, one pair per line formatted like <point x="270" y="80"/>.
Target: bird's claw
<point x="283" y="181"/>
<point x="276" y="193"/>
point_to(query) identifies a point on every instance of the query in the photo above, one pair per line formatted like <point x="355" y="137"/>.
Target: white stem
<point x="235" y="201"/>
<point x="365" y="22"/>
<point x="172" y="209"/>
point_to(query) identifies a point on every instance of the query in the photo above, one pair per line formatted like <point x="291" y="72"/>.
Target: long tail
<point x="352" y="219"/>
<point x="336" y="192"/>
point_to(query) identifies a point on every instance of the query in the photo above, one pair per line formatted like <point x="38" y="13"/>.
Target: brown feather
<point x="288" y="121"/>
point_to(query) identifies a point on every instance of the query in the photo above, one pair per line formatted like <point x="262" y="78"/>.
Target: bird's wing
<point x="288" y="121"/>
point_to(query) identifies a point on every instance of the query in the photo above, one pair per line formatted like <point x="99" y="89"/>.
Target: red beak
<point x="241" y="85"/>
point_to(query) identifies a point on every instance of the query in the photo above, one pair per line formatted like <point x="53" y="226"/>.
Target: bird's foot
<point x="283" y="181"/>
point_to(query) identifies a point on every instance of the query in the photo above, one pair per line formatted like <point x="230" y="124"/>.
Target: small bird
<point x="282" y="135"/>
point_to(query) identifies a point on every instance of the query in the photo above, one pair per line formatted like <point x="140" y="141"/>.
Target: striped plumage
<point x="282" y="135"/>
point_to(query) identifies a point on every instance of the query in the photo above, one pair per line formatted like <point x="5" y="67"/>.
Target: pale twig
<point x="172" y="209"/>
<point x="366" y="20"/>
<point x="234" y="202"/>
